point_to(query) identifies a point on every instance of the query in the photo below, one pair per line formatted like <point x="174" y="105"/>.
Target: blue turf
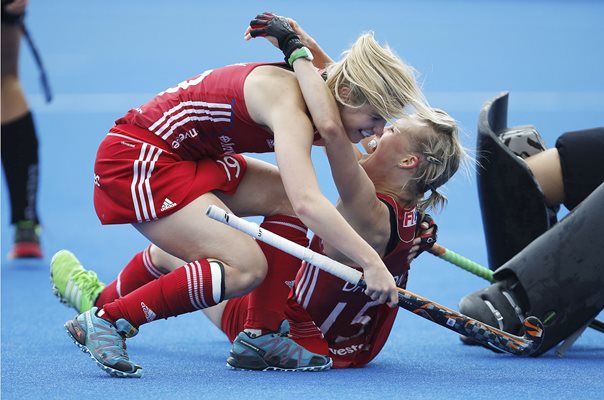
<point x="104" y="57"/>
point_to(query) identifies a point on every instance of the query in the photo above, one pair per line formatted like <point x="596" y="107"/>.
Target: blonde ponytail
<point x="441" y="156"/>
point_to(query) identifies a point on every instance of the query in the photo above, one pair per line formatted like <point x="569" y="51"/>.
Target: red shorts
<point x="136" y="181"/>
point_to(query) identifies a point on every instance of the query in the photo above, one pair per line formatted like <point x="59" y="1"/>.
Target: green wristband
<point x="302" y="52"/>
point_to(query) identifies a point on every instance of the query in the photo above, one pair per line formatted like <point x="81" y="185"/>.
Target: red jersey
<point x="203" y="116"/>
<point x="355" y="327"/>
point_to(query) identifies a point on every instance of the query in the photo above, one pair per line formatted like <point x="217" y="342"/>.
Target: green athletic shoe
<point x="72" y="284"/>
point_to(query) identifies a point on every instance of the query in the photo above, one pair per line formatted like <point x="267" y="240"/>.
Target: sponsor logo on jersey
<point x="349" y="287"/>
<point x="97" y="180"/>
<point x="191" y="133"/>
<point x="227" y="145"/>
<point x="409" y="218"/>
<point x="149" y="314"/>
<point x="128" y="144"/>
<point x="167" y="204"/>
<point x="347" y="350"/>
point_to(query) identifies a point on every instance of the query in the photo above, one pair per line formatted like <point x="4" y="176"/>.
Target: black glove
<point x="427" y="239"/>
<point x="269" y="24"/>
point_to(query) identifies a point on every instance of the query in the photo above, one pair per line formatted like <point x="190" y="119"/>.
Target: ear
<point x="409" y="161"/>
<point x="344" y="92"/>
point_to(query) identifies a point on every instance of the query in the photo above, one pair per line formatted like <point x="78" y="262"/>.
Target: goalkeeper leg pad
<point x="513" y="207"/>
<point x="559" y="278"/>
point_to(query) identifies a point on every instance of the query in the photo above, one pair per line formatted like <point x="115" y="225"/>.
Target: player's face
<point x="361" y="122"/>
<point x="396" y="141"/>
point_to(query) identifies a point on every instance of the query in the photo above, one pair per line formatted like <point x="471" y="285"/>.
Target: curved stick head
<point x="533" y="331"/>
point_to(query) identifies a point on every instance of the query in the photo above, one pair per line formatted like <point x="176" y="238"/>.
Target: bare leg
<point x="190" y="235"/>
<point x="249" y="200"/>
<point x="546" y="168"/>
<point x="14" y="104"/>
<point x="260" y="193"/>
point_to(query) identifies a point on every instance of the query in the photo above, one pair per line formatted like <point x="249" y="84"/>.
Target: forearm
<point x="319" y="101"/>
<point x="324" y="220"/>
<point x="321" y="58"/>
<point x="353" y="184"/>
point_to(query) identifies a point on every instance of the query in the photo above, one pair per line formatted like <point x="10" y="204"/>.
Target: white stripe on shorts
<point x="140" y="189"/>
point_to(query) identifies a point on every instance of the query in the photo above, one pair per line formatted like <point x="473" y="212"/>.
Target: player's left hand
<point x="425" y="236"/>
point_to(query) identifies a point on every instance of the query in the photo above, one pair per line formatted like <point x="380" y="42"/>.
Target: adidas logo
<point x="290" y="284"/>
<point x="149" y="314"/>
<point x="167" y="204"/>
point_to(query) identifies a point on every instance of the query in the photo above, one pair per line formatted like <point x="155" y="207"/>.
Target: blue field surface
<point x="104" y="57"/>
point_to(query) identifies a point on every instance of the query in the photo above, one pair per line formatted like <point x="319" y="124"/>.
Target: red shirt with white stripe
<point x="355" y="327"/>
<point x="203" y="116"/>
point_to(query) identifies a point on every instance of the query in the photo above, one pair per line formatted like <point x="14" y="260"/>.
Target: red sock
<point x="139" y="271"/>
<point x="303" y="330"/>
<point x="196" y="285"/>
<point x="267" y="302"/>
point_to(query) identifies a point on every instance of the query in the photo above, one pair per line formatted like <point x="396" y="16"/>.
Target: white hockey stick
<point x="484" y="334"/>
<point x="303" y="253"/>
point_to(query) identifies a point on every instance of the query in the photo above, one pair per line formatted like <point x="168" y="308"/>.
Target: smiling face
<point x="361" y="122"/>
<point x="394" y="147"/>
<point x="398" y="138"/>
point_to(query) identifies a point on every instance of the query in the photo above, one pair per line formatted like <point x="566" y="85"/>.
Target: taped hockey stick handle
<point x="443" y="316"/>
<point x="335" y="268"/>
<point x="462" y="262"/>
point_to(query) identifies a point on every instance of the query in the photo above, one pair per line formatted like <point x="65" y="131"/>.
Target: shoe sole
<point x="315" y="368"/>
<point x="111" y="371"/>
<point x="55" y="290"/>
<point x="57" y="294"/>
<point x="25" y="250"/>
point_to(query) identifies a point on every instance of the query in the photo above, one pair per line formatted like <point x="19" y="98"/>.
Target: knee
<point x="245" y="274"/>
<point x="254" y="270"/>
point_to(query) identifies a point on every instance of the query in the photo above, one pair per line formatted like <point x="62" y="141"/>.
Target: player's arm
<point x="356" y="190"/>
<point x="321" y="59"/>
<point x="278" y="104"/>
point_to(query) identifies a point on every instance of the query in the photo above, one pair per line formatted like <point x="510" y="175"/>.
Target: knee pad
<point x="558" y="278"/>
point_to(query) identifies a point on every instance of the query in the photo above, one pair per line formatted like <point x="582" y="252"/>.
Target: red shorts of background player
<point x="138" y="181"/>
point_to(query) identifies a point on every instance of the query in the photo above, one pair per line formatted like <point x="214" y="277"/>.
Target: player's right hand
<point x="380" y="285"/>
<point x="270" y="25"/>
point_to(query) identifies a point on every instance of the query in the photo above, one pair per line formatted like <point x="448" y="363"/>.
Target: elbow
<point x="303" y="206"/>
<point x="330" y="129"/>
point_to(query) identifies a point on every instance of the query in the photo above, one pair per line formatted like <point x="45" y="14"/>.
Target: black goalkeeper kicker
<point x="455" y="321"/>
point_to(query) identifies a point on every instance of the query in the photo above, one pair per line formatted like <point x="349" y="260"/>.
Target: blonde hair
<point x="375" y="75"/>
<point x="441" y="154"/>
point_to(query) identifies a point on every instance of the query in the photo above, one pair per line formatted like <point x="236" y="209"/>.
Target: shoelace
<point x="114" y="343"/>
<point x="87" y="281"/>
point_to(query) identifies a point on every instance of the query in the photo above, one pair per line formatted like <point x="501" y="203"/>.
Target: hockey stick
<point x="457" y="322"/>
<point x="483" y="272"/>
<point x="462" y="262"/>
